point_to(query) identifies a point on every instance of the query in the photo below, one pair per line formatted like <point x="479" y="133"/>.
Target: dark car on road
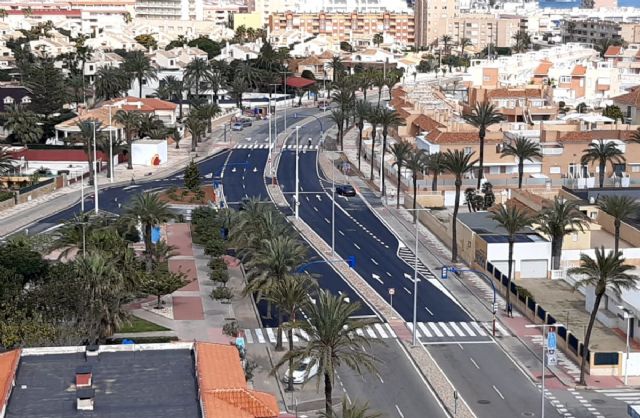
<point x="346" y="190"/>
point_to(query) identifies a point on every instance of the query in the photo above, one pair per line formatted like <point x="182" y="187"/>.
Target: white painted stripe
<point x="424" y="329"/>
<point x="435" y="329"/>
<point x="260" y="336"/>
<point x="390" y="330"/>
<point x="380" y="330"/>
<point x="410" y="325"/>
<point x="271" y="335"/>
<point x="295" y="337"/>
<point x="478" y="328"/>
<point x="360" y="332"/>
<point x="370" y="332"/>
<point x="303" y="334"/>
<point x="456" y="329"/>
<point x="284" y="336"/>
<point x="468" y="329"/>
<point x="501" y="329"/>
<point x="248" y="336"/>
<point x="447" y="331"/>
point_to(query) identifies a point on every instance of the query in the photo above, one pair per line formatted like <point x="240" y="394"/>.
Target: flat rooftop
<point x="135" y="384"/>
<point x="482" y="224"/>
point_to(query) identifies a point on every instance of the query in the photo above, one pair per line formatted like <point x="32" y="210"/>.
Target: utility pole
<point x="297" y="209"/>
<point x="95" y="169"/>
<point x="544" y="328"/>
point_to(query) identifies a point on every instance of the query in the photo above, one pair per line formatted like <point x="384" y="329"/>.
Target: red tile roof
<point x="579" y="71"/>
<point x="543" y="68"/>
<point x="438" y="137"/>
<point x="588" y="136"/>
<point x="299" y="82"/>
<point x="514" y="93"/>
<point x="48" y="12"/>
<point x="427" y="123"/>
<point x="8" y="366"/>
<point x="147" y="104"/>
<point x="223" y="388"/>
<point x="629" y="99"/>
<point x="613" y="51"/>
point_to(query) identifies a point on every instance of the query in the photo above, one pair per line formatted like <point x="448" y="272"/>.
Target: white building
<point x="242" y="52"/>
<point x="170" y="9"/>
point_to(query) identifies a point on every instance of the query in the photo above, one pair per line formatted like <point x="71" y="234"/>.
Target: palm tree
<point x="23" y="124"/>
<point x="110" y="145"/>
<point x="149" y="210"/>
<point x="110" y="82"/>
<point x="445" y="40"/>
<point x="374" y="121"/>
<point x="362" y="111"/>
<point x="560" y="219"/>
<point x="216" y="82"/>
<point x="290" y="295"/>
<point x="196" y="127"/>
<point x="602" y="152"/>
<point x="6" y="161"/>
<point x="523" y="149"/>
<point x="88" y="128"/>
<point x="353" y="410"/>
<point x="175" y="87"/>
<point x="389" y="118"/>
<point x="435" y="164"/>
<point x="379" y="81"/>
<point x="464" y="42"/>
<point x="148" y="123"/>
<point x="483" y="116"/>
<point x="401" y="152"/>
<point x="513" y="220"/>
<point x="337" y="67"/>
<point x="606" y="271"/>
<point x="338" y="116"/>
<point x="174" y="133"/>
<point x="130" y="121"/>
<point x="622" y="209"/>
<point x="207" y="112"/>
<point x="139" y="67"/>
<point x="365" y="82"/>
<point x="523" y="41"/>
<point x="196" y="71"/>
<point x="457" y="163"/>
<point x="415" y="163"/>
<point x="333" y="340"/>
<point x="635" y="137"/>
<point x="270" y="263"/>
<point x="238" y="86"/>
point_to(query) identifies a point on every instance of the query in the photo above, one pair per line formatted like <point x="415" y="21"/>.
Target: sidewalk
<point x="524" y="344"/>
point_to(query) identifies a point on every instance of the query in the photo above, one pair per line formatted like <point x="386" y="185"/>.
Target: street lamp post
<point x="82" y="191"/>
<point x="110" y="148"/>
<point x="544" y="348"/>
<point x="95" y="169"/>
<point x="297" y="208"/>
<point x="333" y="208"/>
<point x="626" y="315"/>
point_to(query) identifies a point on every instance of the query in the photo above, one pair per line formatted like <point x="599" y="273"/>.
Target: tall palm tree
<point x="196" y="127"/>
<point x="110" y="82"/>
<point x="446" y="39"/>
<point x="401" y="152"/>
<point x="270" y="263"/>
<point x="23" y="124"/>
<point x="362" y="110"/>
<point x="333" y="341"/>
<point x="196" y="71"/>
<point x="139" y="67"/>
<point x="523" y="149"/>
<point x="353" y="410"/>
<point x="338" y="117"/>
<point x="290" y="295"/>
<point x="379" y="82"/>
<point x="148" y="123"/>
<point x="513" y="220"/>
<point x="622" y="209"/>
<point x="457" y="163"/>
<point x="435" y="164"/>
<point x="175" y="87"/>
<point x="464" y="42"/>
<point x="238" y="86"/>
<point x="560" y="219"/>
<point x="6" y="161"/>
<point x="216" y="82"/>
<point x="389" y="118"/>
<point x="605" y="271"/>
<point x="207" y="112"/>
<point x="337" y="67"/>
<point x="415" y="163"/>
<point x="130" y="121"/>
<point x="364" y="82"/>
<point x="635" y="137"/>
<point x="149" y="210"/>
<point x="110" y="146"/>
<point x="483" y="116"/>
<point x="374" y="121"/>
<point x="88" y="128"/>
<point x="602" y="153"/>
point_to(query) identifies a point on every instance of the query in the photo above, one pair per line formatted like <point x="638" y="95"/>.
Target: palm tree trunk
<point x="279" y="346"/>
<point x="601" y="173"/>
<point x="454" y="220"/>
<point x="556" y="252"/>
<point x="481" y="159"/>
<point x="148" y="247"/>
<point x="415" y="195"/>
<point x="129" y="159"/>
<point x="509" y="270"/>
<point x="384" y="146"/>
<point x="159" y="301"/>
<point x="194" y="141"/>
<point x="520" y="173"/>
<point x="180" y="106"/>
<point x="290" y="336"/>
<point x="328" y="389"/>
<point x="373" y="144"/>
<point x="140" y="87"/>
<point x="379" y="95"/>
<point x="434" y="182"/>
<point x="587" y="336"/>
<point x="617" y="235"/>
<point x="360" y="128"/>
<point x="398" y="188"/>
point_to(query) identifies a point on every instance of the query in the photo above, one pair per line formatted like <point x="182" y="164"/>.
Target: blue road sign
<point x="155" y="234"/>
<point x="551" y="340"/>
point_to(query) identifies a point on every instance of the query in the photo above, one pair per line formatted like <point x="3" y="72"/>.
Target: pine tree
<point x="192" y="177"/>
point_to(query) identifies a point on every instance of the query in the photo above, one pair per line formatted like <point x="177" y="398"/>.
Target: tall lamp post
<point x="110" y="148"/>
<point x="626" y="315"/>
<point x="544" y="328"/>
<point x="284" y="75"/>
<point x="95" y="168"/>
<point x="297" y="208"/>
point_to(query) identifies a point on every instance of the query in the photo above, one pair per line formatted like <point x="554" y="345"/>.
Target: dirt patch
<point x="177" y="196"/>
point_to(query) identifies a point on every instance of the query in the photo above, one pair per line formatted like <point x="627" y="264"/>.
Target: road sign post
<point x="552" y="357"/>
<point x="392" y="292"/>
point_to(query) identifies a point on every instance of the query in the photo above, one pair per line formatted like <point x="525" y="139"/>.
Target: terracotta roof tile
<point x="311" y="60"/>
<point x="588" y="136"/>
<point x="613" y="51"/>
<point x="218" y="408"/>
<point x="150" y="103"/>
<point x="629" y="99"/>
<point x="438" y="137"/>
<point x="218" y="367"/>
<point x="8" y="366"/>
<point x="579" y="70"/>
<point x="514" y="93"/>
<point x="427" y="123"/>
<point x="543" y="68"/>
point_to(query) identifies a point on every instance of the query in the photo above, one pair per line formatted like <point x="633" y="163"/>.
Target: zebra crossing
<point x="266" y="146"/>
<point x="436" y="332"/>
<point x="408" y="257"/>
<point x="628" y="396"/>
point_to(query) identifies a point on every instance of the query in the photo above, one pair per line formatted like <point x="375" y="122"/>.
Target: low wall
<point x="431" y="222"/>
<point x="6" y="204"/>
<point x="37" y="192"/>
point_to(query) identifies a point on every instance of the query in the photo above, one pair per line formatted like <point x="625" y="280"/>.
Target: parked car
<point x="245" y="122"/>
<point x="303" y="371"/>
<point x="237" y="126"/>
<point x="346" y="190"/>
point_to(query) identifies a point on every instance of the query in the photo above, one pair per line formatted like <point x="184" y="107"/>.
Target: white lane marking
<point x="428" y="310"/>
<point x="390" y="330"/>
<point x="447" y="331"/>
<point x="435" y="329"/>
<point x="315" y="208"/>
<point x="248" y="336"/>
<point x="374" y="262"/>
<point x="260" y="336"/>
<point x="380" y="330"/>
<point x="360" y="332"/>
<point x="406" y="290"/>
<point x="410" y="325"/>
<point x="424" y="330"/>
<point x="370" y="332"/>
<point x="497" y="391"/>
<point x="379" y="377"/>
<point x="468" y="329"/>
<point x="399" y="411"/>
<point x="389" y="274"/>
<point x="340" y="232"/>
<point x="456" y="329"/>
<point x="478" y="328"/>
<point x="356" y="245"/>
<point x="474" y="363"/>
<point x="328" y="221"/>
<point x="375" y="276"/>
<point x="271" y="335"/>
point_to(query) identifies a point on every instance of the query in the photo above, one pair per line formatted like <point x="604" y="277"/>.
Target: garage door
<point x="533" y="269"/>
<point x="503" y="266"/>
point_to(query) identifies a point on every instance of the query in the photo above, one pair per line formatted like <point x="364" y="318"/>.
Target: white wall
<point x="521" y="251"/>
<point x="142" y="152"/>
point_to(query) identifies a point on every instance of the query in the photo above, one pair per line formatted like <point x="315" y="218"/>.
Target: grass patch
<point x="140" y="325"/>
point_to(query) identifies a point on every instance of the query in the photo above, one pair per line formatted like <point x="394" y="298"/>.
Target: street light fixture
<point x="544" y="348"/>
<point x="95" y="168"/>
<point x="297" y="208"/>
<point x="626" y="315"/>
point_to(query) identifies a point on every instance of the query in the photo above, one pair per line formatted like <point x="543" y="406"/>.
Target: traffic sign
<point x="552" y="358"/>
<point x="392" y="291"/>
<point x="445" y="272"/>
<point x="551" y="339"/>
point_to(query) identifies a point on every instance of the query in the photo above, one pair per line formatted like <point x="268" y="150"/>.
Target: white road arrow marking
<point x="375" y="276"/>
<point x="318" y="197"/>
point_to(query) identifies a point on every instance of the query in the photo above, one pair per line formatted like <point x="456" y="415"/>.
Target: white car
<point x="303" y="371"/>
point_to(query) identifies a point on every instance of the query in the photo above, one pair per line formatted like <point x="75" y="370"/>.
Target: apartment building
<point x="431" y="19"/>
<point x="591" y="30"/>
<point x="170" y="9"/>
<point x="484" y="29"/>
<point x="346" y="27"/>
<point x="526" y="104"/>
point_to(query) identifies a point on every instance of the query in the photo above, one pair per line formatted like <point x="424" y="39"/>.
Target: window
<point x="635" y="168"/>
<point x="565" y="79"/>
<point x="555" y="170"/>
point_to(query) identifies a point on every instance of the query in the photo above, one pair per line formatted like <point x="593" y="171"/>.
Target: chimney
<point x="83" y="376"/>
<point x="85" y="399"/>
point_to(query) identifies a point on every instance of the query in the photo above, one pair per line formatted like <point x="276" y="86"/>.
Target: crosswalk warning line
<point x="370" y="332"/>
<point x="303" y="334"/>
<point x="248" y="336"/>
<point x="456" y="329"/>
<point x="271" y="335"/>
<point x="478" y="328"/>
<point x="260" y="336"/>
<point x="424" y="329"/>
<point x="468" y="329"/>
<point x="410" y="325"/>
<point x="447" y="331"/>
<point x="294" y="336"/>
<point x="435" y="329"/>
<point x="381" y="330"/>
<point x="284" y="336"/>
<point x="390" y="330"/>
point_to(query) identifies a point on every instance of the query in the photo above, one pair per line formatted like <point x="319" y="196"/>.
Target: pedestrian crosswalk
<point x="408" y="257"/>
<point x="629" y="396"/>
<point x="266" y="146"/>
<point x="426" y="331"/>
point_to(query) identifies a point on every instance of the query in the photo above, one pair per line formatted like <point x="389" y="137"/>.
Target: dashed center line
<point x="407" y="290"/>
<point x="327" y="221"/>
<point x="399" y="411"/>
<point x="474" y="362"/>
<point x="374" y="261"/>
<point x="340" y="232"/>
<point x="498" y="392"/>
<point x="428" y="311"/>
<point x="356" y="245"/>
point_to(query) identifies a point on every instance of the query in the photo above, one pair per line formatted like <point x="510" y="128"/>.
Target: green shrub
<point x="5" y="196"/>
<point x="231" y="329"/>
<point x="172" y="189"/>
<point x="221" y="293"/>
<point x="217" y="263"/>
<point x="219" y="276"/>
<point x="215" y="247"/>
